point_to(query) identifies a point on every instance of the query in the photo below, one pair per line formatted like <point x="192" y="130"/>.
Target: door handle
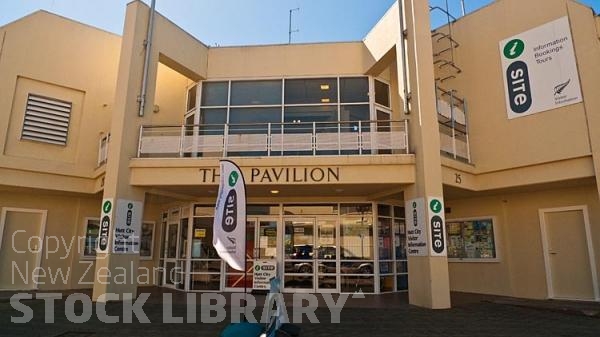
<point x="553" y="253"/>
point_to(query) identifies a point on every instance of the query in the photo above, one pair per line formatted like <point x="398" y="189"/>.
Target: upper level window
<point x="382" y="93"/>
<point x="354" y="90"/>
<point x="215" y="93"/>
<point x="46" y="120"/>
<point x="311" y="91"/>
<point x="256" y="92"/>
<point x="191" y="98"/>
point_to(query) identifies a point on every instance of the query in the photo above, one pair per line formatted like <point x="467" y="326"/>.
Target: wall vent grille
<point x="46" y="120"/>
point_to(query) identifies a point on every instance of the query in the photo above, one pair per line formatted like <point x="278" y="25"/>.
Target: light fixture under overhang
<point x="325" y="100"/>
<point x="274" y="191"/>
<point x="324" y="86"/>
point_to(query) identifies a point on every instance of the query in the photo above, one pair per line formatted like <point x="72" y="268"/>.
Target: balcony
<point x="274" y="139"/>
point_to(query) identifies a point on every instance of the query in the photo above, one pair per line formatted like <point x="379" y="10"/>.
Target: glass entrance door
<point x="310" y="255"/>
<point x="261" y="243"/>
<point x="170" y="275"/>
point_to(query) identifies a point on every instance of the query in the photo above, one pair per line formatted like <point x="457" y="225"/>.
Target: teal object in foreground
<point x="243" y="329"/>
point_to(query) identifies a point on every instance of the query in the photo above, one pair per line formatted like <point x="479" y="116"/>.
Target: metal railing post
<point x="139" y="151"/>
<point x="225" y="139"/>
<point x="406" y="135"/>
<point x="452" y="123"/>
<point x="339" y="137"/>
<point x="269" y="140"/>
<point x="360" y="147"/>
<point x="181" y="141"/>
<point x="314" y="138"/>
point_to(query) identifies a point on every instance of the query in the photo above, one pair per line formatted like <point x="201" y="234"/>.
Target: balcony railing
<point x="274" y="139"/>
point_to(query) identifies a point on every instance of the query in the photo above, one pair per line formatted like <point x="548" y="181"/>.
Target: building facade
<point x="460" y="159"/>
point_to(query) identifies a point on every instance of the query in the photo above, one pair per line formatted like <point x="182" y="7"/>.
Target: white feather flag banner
<point x="229" y="227"/>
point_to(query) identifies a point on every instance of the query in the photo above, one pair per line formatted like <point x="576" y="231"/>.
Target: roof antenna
<point x="290" y="31"/>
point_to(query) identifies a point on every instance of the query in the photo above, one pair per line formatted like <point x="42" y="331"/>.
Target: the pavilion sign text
<point x="261" y="175"/>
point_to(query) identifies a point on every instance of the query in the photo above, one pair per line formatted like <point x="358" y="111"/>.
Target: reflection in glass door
<point x="326" y="255"/>
<point x="310" y="248"/>
<point x="299" y="263"/>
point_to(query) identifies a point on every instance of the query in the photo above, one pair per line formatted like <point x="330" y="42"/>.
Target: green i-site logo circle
<point x="107" y="206"/>
<point x="435" y="206"/>
<point x="233" y="178"/>
<point x="514" y="48"/>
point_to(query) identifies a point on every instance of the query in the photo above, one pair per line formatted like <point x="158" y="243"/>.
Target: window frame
<point x="389" y="93"/>
<point x="151" y="257"/>
<point x="496" y="259"/>
<point x="283" y="104"/>
<point x="86" y="221"/>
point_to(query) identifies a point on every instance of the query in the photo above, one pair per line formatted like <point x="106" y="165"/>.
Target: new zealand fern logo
<point x="558" y="90"/>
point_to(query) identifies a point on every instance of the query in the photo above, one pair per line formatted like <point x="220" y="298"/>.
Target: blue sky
<point x="240" y="22"/>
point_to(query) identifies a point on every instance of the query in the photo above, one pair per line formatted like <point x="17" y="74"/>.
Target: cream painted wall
<point x="68" y="49"/>
<point x="171" y="90"/>
<point x="496" y="142"/>
<point x="66" y="221"/>
<point x="520" y="271"/>
<point x="347" y="58"/>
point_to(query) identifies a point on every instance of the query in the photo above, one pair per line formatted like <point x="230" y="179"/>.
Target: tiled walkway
<point x="383" y="315"/>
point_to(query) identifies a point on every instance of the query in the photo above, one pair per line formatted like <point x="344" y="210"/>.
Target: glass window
<point x="189" y="120"/>
<point x="191" y="97"/>
<point x="385" y="239"/>
<point x="324" y="209"/>
<point x="214" y="93"/>
<point x="256" y="92"/>
<point x="256" y="118"/>
<point x="213" y="116"/>
<point x="92" y="227"/>
<point x="146" y="240"/>
<point x="399" y="212"/>
<point x="183" y="239"/>
<point x="254" y="115"/>
<point x="399" y="228"/>
<point x="384" y="210"/>
<point x="472" y="239"/>
<point x="355" y="113"/>
<point x="356" y="209"/>
<point x="262" y="209"/>
<point x="309" y="114"/>
<point x="202" y="236"/>
<point x="356" y="242"/>
<point x="354" y="90"/>
<point x="311" y="91"/>
<point x="382" y="93"/>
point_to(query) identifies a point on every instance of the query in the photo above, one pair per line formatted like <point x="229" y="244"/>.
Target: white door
<point x="568" y="254"/>
<point x="21" y="246"/>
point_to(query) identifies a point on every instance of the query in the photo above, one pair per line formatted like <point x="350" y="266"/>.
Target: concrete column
<point x="428" y="275"/>
<point x="125" y="124"/>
